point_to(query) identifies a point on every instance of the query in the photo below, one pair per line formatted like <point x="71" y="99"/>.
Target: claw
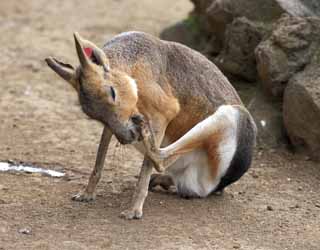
<point x="131" y="214"/>
<point x="83" y="197"/>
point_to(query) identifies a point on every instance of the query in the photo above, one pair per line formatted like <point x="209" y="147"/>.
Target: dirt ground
<point x="275" y="206"/>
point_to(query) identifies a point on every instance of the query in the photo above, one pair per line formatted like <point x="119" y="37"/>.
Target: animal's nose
<point x="137" y="119"/>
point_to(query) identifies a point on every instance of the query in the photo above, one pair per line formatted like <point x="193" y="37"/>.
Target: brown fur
<point x="152" y="97"/>
<point x="211" y="145"/>
<point x="185" y="120"/>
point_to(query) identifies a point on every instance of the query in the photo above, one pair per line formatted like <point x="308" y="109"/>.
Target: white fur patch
<point x="133" y="86"/>
<point x="191" y="171"/>
<point x="228" y="145"/>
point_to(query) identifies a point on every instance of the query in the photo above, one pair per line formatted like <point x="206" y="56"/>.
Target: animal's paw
<point x="83" y="196"/>
<point x="131" y="214"/>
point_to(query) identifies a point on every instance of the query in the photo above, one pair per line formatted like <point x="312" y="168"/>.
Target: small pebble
<point x="25" y="230"/>
<point x="300" y="188"/>
<point x="307" y="158"/>
<point x="269" y="208"/>
<point x="236" y="246"/>
<point x="293" y="207"/>
<point x="255" y="176"/>
<point x="4" y="188"/>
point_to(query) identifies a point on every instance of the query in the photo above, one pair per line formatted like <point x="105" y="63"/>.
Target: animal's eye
<point x="113" y="93"/>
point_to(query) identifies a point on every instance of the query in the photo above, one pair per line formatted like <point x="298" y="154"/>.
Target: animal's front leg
<point x="88" y="193"/>
<point x="141" y="192"/>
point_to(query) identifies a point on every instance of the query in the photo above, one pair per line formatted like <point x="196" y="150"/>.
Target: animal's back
<point x="197" y="83"/>
<point x="188" y="71"/>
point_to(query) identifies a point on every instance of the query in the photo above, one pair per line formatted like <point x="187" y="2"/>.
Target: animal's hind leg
<point x="207" y="135"/>
<point x="192" y="140"/>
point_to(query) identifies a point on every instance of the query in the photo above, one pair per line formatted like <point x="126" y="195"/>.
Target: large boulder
<point x="215" y="15"/>
<point x="302" y="8"/>
<point x="287" y="51"/>
<point x="237" y="56"/>
<point x="301" y="110"/>
<point x="229" y="26"/>
<point x="188" y="32"/>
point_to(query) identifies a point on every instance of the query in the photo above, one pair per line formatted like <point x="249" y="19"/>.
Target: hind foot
<point x="164" y="181"/>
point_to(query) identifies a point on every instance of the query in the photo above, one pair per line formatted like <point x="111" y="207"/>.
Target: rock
<point x="236" y="246"/>
<point x="269" y="208"/>
<point x="273" y="68"/>
<point x="26" y="230"/>
<point x="288" y="50"/>
<point x="301" y="111"/>
<point x="4" y="188"/>
<point x="232" y="26"/>
<point x="237" y="56"/>
<point x="223" y="11"/>
<point x="301" y="7"/>
<point x="215" y="15"/>
<point x="255" y="175"/>
<point x="234" y="29"/>
<point x="187" y="32"/>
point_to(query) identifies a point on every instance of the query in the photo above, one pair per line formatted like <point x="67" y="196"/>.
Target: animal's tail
<point x="242" y="158"/>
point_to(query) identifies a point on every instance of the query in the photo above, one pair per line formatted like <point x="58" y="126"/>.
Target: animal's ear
<point x="89" y="53"/>
<point x="66" y="71"/>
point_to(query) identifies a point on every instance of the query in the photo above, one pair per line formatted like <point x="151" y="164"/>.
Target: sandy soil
<point x="275" y="206"/>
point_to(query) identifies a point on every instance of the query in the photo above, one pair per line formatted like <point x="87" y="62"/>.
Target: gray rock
<point x="288" y="50"/>
<point x="219" y="20"/>
<point x="215" y="15"/>
<point x="26" y="230"/>
<point x="187" y="32"/>
<point x="301" y="111"/>
<point x="237" y="56"/>
<point x="303" y="8"/>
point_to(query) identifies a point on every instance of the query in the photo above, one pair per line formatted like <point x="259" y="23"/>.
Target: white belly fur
<point x="191" y="174"/>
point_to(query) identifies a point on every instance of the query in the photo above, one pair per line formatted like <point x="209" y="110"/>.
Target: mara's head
<point x="107" y="95"/>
